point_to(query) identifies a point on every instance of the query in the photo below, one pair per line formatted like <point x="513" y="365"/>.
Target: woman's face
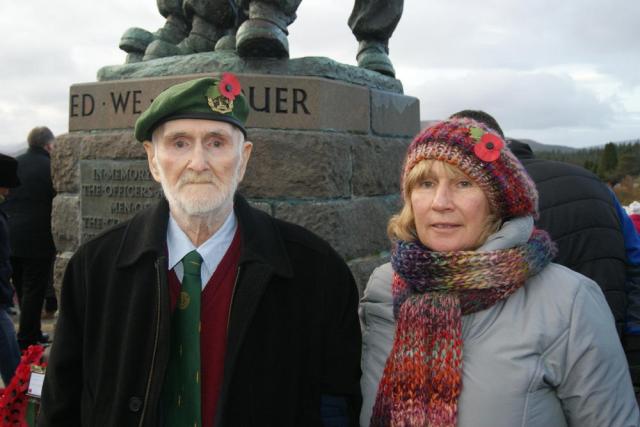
<point x="451" y="212"/>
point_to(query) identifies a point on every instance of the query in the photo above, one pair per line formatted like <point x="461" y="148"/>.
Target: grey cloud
<point x="522" y="100"/>
<point x="521" y="35"/>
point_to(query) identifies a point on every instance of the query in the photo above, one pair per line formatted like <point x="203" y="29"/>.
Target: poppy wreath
<point x="13" y="399"/>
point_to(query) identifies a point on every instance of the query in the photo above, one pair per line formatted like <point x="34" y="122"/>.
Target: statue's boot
<point x="374" y="55"/>
<point x="135" y="41"/>
<point x="264" y="34"/>
<point x="227" y="42"/>
<point x="202" y="38"/>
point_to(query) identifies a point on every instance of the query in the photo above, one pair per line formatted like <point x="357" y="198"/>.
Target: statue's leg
<point x="176" y="27"/>
<point x="264" y="33"/>
<point x="210" y="20"/>
<point x="373" y="23"/>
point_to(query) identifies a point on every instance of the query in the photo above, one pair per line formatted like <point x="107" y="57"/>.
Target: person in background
<point x="203" y="310"/>
<point x="9" y="351"/>
<point x="595" y="237"/>
<point x="634" y="213"/>
<point x="32" y="249"/>
<point x="471" y="324"/>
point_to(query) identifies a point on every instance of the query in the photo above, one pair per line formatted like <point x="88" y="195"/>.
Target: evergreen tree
<point x="608" y="160"/>
<point x="591" y="165"/>
<point x="629" y="163"/>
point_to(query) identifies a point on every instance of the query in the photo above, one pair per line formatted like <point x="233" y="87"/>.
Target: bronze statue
<point x="256" y="28"/>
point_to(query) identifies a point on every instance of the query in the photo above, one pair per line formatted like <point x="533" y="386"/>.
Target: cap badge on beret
<point x="220" y="98"/>
<point x="488" y="145"/>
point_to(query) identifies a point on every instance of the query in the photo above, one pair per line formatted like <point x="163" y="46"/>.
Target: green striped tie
<point x="182" y="387"/>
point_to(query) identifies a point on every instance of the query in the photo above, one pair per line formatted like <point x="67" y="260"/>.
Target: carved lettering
<point x="120" y="102"/>
<point x="91" y="190"/>
<point x="98" y="222"/>
<point x="73" y="105"/>
<point x="252" y="99"/>
<point x="281" y="100"/>
<point x="88" y="104"/>
<point x="121" y="174"/>
<point x="299" y="98"/>
<point x="127" y="208"/>
<point x="137" y="101"/>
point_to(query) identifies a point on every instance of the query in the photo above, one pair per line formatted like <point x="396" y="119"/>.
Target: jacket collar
<point x="145" y="233"/>
<point x="261" y="241"/>
<point x="514" y="232"/>
<point x="38" y="150"/>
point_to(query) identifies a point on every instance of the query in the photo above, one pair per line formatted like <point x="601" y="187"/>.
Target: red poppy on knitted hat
<point x="229" y="86"/>
<point x="488" y="148"/>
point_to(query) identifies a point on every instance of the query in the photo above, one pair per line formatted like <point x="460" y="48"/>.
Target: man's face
<point x="199" y="164"/>
<point x="4" y="191"/>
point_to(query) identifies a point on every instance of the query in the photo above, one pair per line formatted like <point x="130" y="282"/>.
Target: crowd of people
<point x="27" y="250"/>
<point x="512" y="295"/>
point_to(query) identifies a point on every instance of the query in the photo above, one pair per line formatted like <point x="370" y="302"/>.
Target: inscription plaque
<point x="112" y="191"/>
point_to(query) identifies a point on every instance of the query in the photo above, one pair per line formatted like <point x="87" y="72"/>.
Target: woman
<point x="470" y="324"/>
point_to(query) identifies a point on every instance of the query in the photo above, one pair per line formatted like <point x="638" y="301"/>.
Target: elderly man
<point x="203" y="310"/>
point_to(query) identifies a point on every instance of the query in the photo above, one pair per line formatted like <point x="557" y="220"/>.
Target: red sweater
<point x="214" y="314"/>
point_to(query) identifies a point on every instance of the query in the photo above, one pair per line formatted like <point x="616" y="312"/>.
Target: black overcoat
<point x="28" y="206"/>
<point x="293" y="330"/>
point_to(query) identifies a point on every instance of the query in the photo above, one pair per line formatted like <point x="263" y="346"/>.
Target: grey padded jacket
<point x="547" y="356"/>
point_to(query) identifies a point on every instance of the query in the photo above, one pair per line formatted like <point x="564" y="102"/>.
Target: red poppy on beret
<point x="229" y="86"/>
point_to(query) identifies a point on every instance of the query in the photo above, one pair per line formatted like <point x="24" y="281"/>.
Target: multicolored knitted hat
<point x="482" y="155"/>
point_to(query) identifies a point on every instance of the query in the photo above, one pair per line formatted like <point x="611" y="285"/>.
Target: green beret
<point x="205" y="98"/>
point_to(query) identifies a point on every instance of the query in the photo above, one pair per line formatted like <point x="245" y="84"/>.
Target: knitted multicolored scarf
<point x="422" y="378"/>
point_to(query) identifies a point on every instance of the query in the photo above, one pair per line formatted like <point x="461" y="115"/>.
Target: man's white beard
<point x="200" y="202"/>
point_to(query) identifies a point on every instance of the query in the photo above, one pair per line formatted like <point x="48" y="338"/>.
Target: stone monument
<point x="329" y="140"/>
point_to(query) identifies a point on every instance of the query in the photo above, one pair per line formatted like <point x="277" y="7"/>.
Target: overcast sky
<point x="558" y="72"/>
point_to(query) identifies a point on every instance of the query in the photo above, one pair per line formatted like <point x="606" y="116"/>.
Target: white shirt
<point x="212" y="250"/>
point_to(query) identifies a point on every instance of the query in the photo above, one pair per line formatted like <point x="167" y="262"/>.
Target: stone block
<point x="355" y="228"/>
<point x="377" y="164"/>
<point x="64" y="162"/>
<point x="59" y="267"/>
<point x="275" y="102"/>
<point x="118" y="144"/>
<point x="362" y="268"/>
<point x="263" y="206"/>
<point x="298" y="165"/>
<point x="393" y="114"/>
<point x="65" y="222"/>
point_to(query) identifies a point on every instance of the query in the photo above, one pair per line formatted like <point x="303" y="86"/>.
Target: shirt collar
<point x="211" y="251"/>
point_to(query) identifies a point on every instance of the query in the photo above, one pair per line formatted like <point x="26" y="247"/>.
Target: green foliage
<point x="611" y="162"/>
<point x="608" y="161"/>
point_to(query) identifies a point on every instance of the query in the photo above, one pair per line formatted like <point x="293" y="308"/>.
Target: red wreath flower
<point x="229" y="86"/>
<point x="489" y="147"/>
<point x="13" y="401"/>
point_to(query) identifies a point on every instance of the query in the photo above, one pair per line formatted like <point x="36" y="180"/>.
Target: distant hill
<point x="13" y="149"/>
<point x="538" y="147"/>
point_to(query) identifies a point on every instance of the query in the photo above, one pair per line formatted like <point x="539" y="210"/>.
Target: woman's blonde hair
<point x="402" y="225"/>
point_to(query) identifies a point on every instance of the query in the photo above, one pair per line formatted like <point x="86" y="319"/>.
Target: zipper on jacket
<point x="155" y="345"/>
<point x="233" y="296"/>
